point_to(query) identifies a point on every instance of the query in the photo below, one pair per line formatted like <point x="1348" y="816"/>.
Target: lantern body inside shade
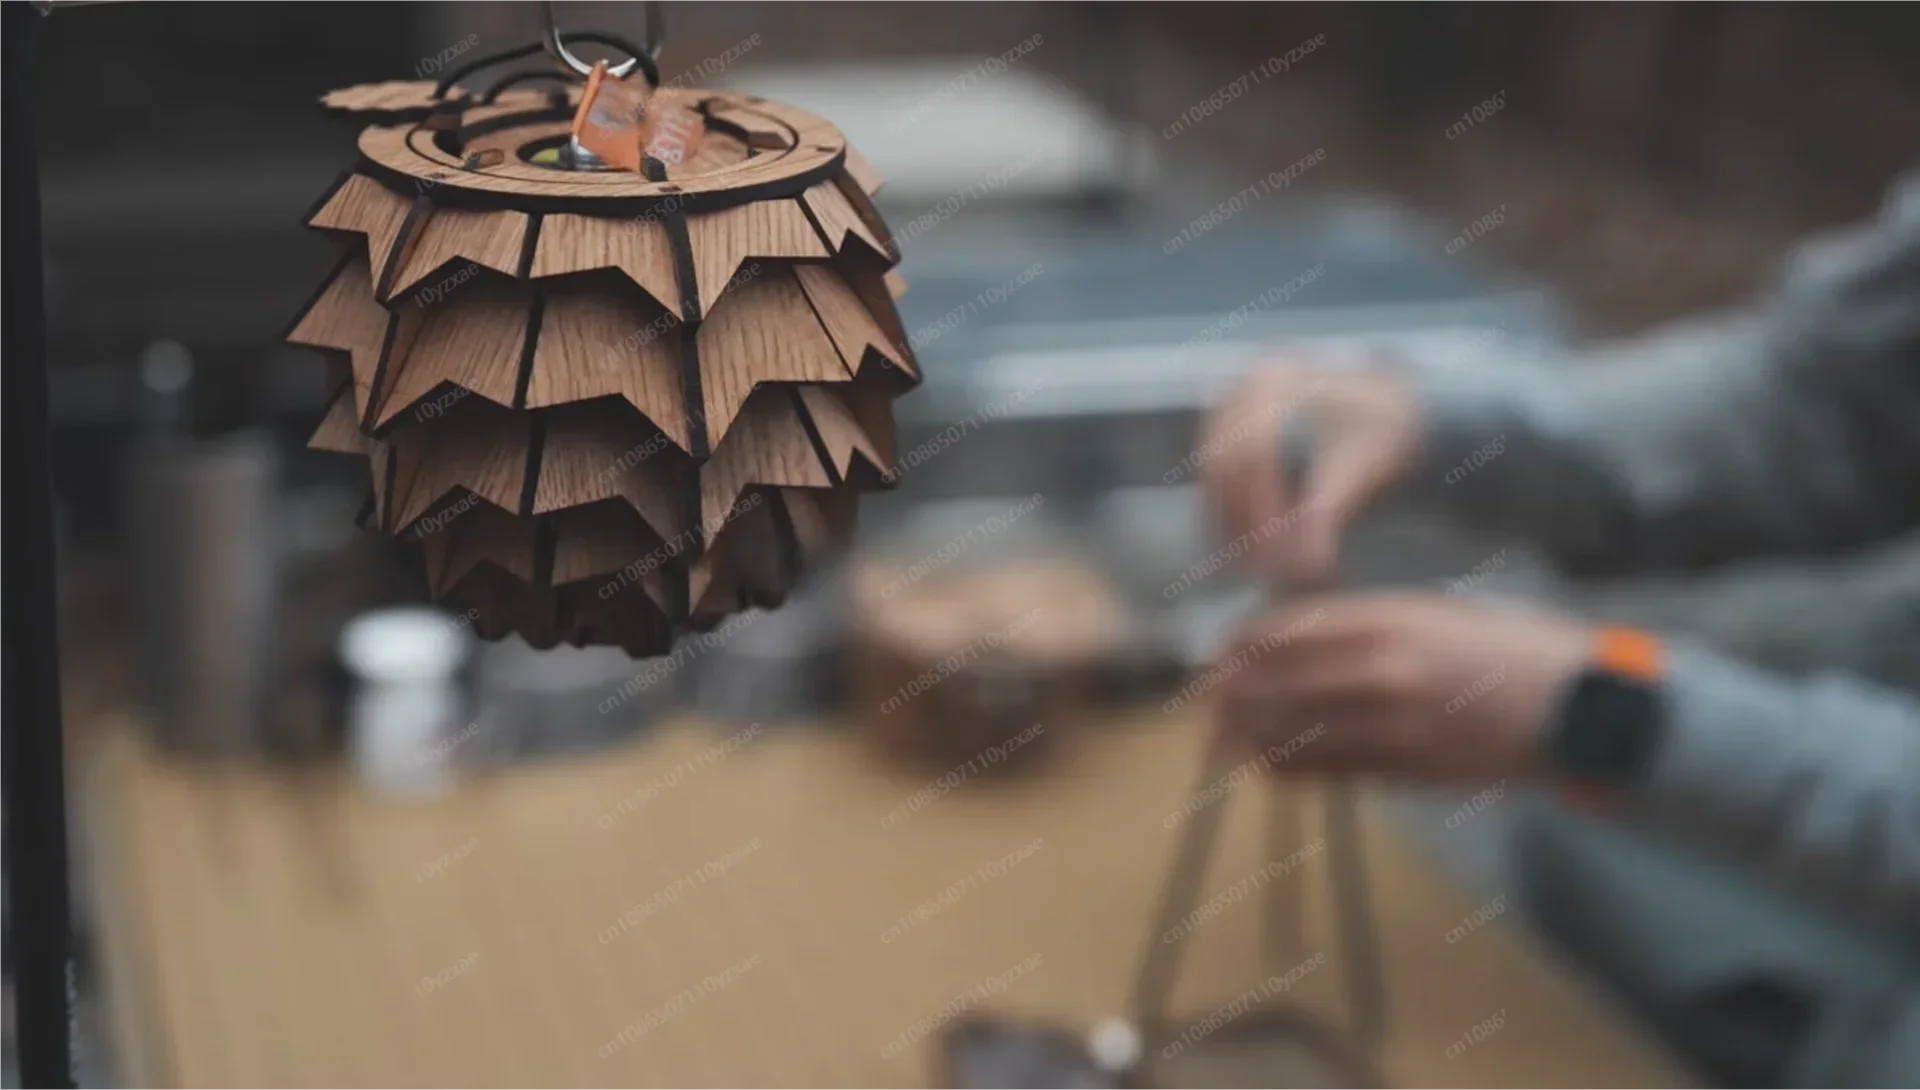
<point x="608" y="406"/>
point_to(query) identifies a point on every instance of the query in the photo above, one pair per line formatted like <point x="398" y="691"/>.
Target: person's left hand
<point x="1409" y="686"/>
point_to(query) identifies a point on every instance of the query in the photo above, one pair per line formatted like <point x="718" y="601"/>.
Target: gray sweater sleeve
<point x="1795" y="431"/>
<point x="1815" y="782"/>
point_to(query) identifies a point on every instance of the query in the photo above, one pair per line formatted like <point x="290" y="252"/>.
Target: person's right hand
<point x="1365" y="430"/>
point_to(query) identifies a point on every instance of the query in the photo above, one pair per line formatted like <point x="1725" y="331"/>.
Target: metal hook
<point x="550" y="31"/>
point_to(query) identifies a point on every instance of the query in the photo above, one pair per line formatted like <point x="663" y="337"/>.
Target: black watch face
<point x="1610" y="729"/>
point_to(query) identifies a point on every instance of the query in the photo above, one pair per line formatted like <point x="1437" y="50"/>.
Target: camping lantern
<point x="608" y="405"/>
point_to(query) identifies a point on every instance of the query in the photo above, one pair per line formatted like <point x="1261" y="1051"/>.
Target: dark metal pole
<point x="31" y="739"/>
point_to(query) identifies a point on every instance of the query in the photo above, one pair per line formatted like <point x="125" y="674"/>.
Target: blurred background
<point x="266" y="896"/>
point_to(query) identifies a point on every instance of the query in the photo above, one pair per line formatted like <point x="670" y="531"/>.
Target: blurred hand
<point x="1366" y="435"/>
<point x="1408" y="686"/>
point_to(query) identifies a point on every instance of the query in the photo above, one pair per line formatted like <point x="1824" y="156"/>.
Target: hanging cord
<point x="639" y="58"/>
<point x="492" y="93"/>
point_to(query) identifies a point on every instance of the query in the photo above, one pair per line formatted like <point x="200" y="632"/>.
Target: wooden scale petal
<point x="393" y="100"/>
<point x="763" y="331"/>
<point x="724" y="241"/>
<point x="452" y="244"/>
<point x="594" y="342"/>
<point x="638" y="247"/>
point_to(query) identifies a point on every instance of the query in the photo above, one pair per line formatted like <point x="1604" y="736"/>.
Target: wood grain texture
<point x="869" y="217"/>
<point x="811" y="147"/>
<point x="839" y="220"/>
<point x="483" y="534"/>
<point x="877" y="297"/>
<point x="601" y="450"/>
<point x="364" y="206"/>
<point x="744" y="566"/>
<point x="853" y="328"/>
<point x="339" y="430"/>
<point x="634" y="245"/>
<point x="839" y="430"/>
<point x="860" y="169"/>
<point x="769" y="446"/>
<point x="718" y="151"/>
<point x="475" y="446"/>
<point x="607" y="539"/>
<point x="724" y="241"/>
<point x="392" y="97"/>
<point x="347" y="318"/>
<point x="287" y="921"/>
<point x="473" y="339"/>
<point x="764" y="331"/>
<point x="598" y="343"/>
<point x="491" y="240"/>
<point x="869" y="397"/>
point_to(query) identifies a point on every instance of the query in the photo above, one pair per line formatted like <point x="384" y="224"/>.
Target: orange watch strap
<point x="1630" y="653"/>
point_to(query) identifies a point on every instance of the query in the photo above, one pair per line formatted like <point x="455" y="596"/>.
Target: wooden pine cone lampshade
<point x="608" y="406"/>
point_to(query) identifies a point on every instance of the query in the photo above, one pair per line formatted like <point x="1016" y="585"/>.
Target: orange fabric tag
<point x="611" y="121"/>
<point x="675" y="133"/>
<point x="622" y="120"/>
<point x="587" y="96"/>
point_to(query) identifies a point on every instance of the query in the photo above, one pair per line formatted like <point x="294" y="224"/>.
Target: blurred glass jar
<point x="407" y="712"/>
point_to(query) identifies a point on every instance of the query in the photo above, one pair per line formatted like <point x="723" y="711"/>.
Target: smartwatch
<point x="1610" y="720"/>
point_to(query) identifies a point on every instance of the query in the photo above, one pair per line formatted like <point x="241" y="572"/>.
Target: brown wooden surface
<point x="839" y="430"/>
<point x="770" y="447"/>
<point x="346" y="318"/>
<point x="364" y="206"/>
<point x="486" y="534"/>
<point x="725" y="241"/>
<point x="852" y="326"/>
<point x="275" y="929"/>
<point x="476" y="446"/>
<point x="394" y="96"/>
<point x="838" y="218"/>
<point x="472" y="338"/>
<point x="638" y="247"/>
<point x="490" y="240"/>
<point x="598" y="540"/>
<point x="806" y="144"/>
<point x="595" y="343"/>
<point x="339" y="430"/>
<point x="598" y="450"/>
<point x="763" y="331"/>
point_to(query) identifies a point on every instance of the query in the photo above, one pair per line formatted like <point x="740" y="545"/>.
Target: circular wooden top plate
<point x="761" y="149"/>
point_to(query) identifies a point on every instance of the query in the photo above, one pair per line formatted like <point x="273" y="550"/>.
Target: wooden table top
<point x="680" y="912"/>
